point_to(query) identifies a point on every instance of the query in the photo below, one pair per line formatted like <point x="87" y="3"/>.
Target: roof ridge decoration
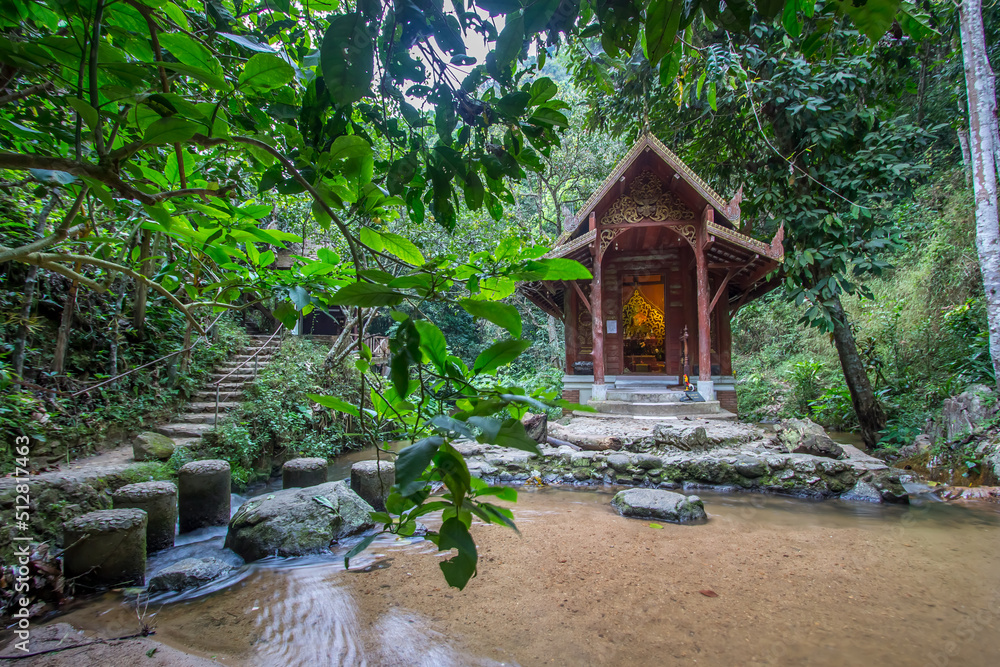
<point x="730" y="210"/>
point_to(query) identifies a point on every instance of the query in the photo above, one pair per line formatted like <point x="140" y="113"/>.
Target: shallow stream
<point x="768" y="580"/>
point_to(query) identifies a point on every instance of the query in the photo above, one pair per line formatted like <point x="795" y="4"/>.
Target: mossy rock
<point x="151" y="446"/>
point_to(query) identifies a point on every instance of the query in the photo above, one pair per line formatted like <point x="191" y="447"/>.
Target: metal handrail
<point x="244" y="362"/>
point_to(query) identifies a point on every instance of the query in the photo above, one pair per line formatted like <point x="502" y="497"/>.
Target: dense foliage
<point x="185" y="145"/>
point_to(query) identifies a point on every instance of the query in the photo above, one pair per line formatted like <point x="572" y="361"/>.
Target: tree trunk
<point x="982" y="123"/>
<point x="963" y="142"/>
<point x="866" y="406"/>
<point x="65" y="323"/>
<point x="28" y="301"/>
<point x="141" y="290"/>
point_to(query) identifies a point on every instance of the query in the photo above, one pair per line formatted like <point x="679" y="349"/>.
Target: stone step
<point x="176" y="430"/>
<point x="209" y="406"/>
<point x="198" y="418"/>
<point x="228" y="385"/>
<point x="246" y="362"/>
<point x="190" y="443"/>
<point x="225" y="396"/>
<point x="238" y="376"/>
<point x="649" y="381"/>
<point x="665" y="409"/>
<point x="651" y="395"/>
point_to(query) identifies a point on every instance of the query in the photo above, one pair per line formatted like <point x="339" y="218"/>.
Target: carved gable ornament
<point x="646" y="200"/>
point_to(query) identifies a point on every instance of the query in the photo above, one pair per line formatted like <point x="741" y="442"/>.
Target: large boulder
<point x="294" y="522"/>
<point x="151" y="446"/>
<point x="803" y="436"/>
<point x="961" y="414"/>
<point x="659" y="504"/>
<point x="188" y="573"/>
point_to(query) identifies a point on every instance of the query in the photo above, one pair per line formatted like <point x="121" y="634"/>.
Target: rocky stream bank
<point x="798" y="459"/>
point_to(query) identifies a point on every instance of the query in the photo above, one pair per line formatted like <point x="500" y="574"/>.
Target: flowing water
<point x="768" y="580"/>
<point x="797" y="582"/>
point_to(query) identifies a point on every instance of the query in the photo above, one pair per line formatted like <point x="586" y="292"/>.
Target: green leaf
<point x="432" y="343"/>
<point x="265" y="71"/>
<point x="663" y="18"/>
<point x="350" y="146"/>
<point x="347" y="58"/>
<point x="508" y="45"/>
<point x="499" y="354"/>
<point x="366" y="295"/>
<point x="402" y="248"/>
<point x="873" y="17"/>
<point x="169" y="130"/>
<point x="413" y="461"/>
<point x="192" y="53"/>
<point x="358" y="548"/>
<point x="565" y="269"/>
<point x="247" y="42"/>
<point x="512" y="434"/>
<point x="458" y="570"/>
<point x="87" y="112"/>
<point x="500" y="314"/>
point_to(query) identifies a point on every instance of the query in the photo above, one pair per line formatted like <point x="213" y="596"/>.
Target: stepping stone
<point x="372" y="480"/>
<point x="203" y="492"/>
<point x="300" y="473"/>
<point x="106" y="548"/>
<point x="159" y="501"/>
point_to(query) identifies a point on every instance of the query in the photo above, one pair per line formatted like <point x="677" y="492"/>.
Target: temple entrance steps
<point x="646" y="395"/>
<point x="657" y="409"/>
<point x="653" y="396"/>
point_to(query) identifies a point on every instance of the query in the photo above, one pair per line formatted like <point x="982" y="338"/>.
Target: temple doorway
<point x="643" y="325"/>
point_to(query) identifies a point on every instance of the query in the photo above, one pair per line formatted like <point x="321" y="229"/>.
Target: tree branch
<point x="19" y="161"/>
<point x="26" y="92"/>
<point x="49" y="261"/>
<point x="61" y="233"/>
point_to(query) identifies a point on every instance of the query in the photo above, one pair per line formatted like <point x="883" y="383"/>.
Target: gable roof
<point x="726" y="212"/>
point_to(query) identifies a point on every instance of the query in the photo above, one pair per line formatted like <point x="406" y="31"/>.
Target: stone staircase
<point x="654" y="397"/>
<point x="198" y="417"/>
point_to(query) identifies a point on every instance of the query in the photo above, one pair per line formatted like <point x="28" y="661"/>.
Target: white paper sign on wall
<point x="612" y="326"/>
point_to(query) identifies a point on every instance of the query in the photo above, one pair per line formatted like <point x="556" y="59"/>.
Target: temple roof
<point x="650" y="183"/>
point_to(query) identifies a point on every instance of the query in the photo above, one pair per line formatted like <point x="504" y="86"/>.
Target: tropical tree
<point x="171" y="129"/>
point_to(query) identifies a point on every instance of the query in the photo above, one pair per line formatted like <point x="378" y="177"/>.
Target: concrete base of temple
<point x="665" y="409"/>
<point x="707" y="389"/>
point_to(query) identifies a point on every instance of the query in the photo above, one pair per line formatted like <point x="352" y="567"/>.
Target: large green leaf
<point x="403" y="248"/>
<point x="499" y="354"/>
<point x="366" y="295"/>
<point x="265" y="71"/>
<point x="334" y="403"/>
<point x="873" y="17"/>
<point x="500" y="314"/>
<point x="663" y="17"/>
<point x="565" y="269"/>
<point x="458" y="570"/>
<point x="432" y="343"/>
<point x="512" y="434"/>
<point x="190" y="52"/>
<point x="347" y="58"/>
<point x="169" y="130"/>
<point x="413" y="461"/>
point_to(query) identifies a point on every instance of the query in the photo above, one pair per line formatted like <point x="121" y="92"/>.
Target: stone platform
<point x="696" y="453"/>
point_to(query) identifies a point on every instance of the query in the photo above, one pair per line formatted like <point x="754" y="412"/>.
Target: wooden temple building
<point x="670" y="268"/>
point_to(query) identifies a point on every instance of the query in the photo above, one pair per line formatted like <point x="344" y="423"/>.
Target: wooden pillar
<point x="704" y="323"/>
<point x="570" y="328"/>
<point x="597" y="308"/>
